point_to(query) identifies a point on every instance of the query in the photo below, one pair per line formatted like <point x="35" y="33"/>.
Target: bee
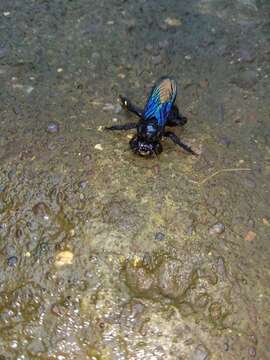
<point x="159" y="112"/>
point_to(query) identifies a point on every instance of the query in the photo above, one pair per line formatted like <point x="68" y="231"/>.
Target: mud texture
<point x="108" y="256"/>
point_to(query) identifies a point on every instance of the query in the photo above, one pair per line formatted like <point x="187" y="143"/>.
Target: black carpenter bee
<point x="159" y="112"/>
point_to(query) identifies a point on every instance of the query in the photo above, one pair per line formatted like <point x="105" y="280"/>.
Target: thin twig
<point x="217" y="173"/>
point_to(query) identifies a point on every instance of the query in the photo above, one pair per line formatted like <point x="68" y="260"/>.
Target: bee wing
<point x="160" y="101"/>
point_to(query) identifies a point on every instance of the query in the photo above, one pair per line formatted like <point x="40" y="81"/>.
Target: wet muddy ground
<point x="105" y="255"/>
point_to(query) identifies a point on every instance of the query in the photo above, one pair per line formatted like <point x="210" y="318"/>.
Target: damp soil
<point x="108" y="256"/>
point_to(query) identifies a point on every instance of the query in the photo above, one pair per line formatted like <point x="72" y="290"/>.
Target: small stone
<point x="217" y="229"/>
<point x="87" y="159"/>
<point x="252" y="351"/>
<point x="246" y="56"/>
<point x="64" y="258"/>
<point x="41" y="210"/>
<point x="200" y="353"/>
<point x="12" y="261"/>
<point x="250" y="236"/>
<point x="57" y="310"/>
<point x="265" y="221"/>
<point x="220" y="266"/>
<point x="156" y="59"/>
<point x="159" y="236"/>
<point x="173" y="22"/>
<point x="53" y="127"/>
<point x="98" y="147"/>
<point x="163" y="44"/>
<point x="204" y="84"/>
<point x="29" y="89"/>
<point x="83" y="184"/>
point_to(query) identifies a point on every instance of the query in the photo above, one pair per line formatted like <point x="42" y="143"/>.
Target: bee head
<point x="144" y="148"/>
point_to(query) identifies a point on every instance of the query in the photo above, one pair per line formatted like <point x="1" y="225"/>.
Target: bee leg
<point x="127" y="104"/>
<point x="177" y="141"/>
<point x="175" y="118"/>
<point x="122" y="127"/>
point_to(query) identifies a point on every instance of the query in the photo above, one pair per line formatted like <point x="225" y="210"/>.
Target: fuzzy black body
<point x="159" y="112"/>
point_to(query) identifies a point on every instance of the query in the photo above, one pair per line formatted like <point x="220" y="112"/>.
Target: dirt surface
<point x="109" y="256"/>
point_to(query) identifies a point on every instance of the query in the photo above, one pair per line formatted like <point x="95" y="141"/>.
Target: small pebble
<point x="12" y="261"/>
<point x="200" y="353"/>
<point x="217" y="229"/>
<point x="87" y="159"/>
<point x="204" y="84"/>
<point x="64" y="258"/>
<point x="250" y="236"/>
<point x="98" y="147"/>
<point x="83" y="184"/>
<point x="41" y="210"/>
<point x="173" y="22"/>
<point x="252" y="351"/>
<point x="156" y="59"/>
<point x="53" y="127"/>
<point x="265" y="221"/>
<point x="220" y="266"/>
<point x="159" y="236"/>
<point x="246" y="56"/>
<point x="56" y="310"/>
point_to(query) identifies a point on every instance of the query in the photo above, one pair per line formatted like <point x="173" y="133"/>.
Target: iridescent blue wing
<point x="160" y="101"/>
